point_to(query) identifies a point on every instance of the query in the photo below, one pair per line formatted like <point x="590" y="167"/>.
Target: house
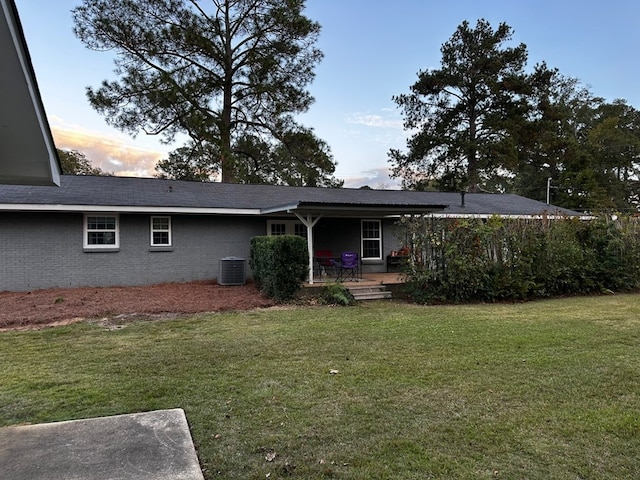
<point x="68" y="231"/>
<point x="104" y="231"/>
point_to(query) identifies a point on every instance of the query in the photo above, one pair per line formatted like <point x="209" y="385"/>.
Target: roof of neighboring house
<point x="27" y="152"/>
<point x="126" y="194"/>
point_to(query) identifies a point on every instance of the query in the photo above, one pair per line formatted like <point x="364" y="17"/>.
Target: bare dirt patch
<point x="60" y="306"/>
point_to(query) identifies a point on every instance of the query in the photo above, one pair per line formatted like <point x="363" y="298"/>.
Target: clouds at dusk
<point x="113" y="154"/>
<point x="377" y="178"/>
<point x="109" y="153"/>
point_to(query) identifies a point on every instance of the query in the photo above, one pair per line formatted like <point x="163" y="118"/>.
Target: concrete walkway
<point x="141" y="446"/>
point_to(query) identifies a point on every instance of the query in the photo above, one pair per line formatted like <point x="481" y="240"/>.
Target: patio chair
<point x="324" y="259"/>
<point x="348" y="266"/>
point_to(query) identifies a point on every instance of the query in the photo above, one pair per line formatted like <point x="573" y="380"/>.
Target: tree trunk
<point x="472" y="155"/>
<point x="227" y="166"/>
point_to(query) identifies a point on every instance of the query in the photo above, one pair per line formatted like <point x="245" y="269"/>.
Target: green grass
<point x="542" y="390"/>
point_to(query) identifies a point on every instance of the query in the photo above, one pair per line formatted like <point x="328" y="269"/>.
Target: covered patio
<point x="367" y="280"/>
<point x="309" y="213"/>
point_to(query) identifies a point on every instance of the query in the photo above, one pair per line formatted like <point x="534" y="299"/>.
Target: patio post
<point x="309" y="222"/>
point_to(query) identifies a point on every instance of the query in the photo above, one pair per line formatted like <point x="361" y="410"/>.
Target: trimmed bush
<point x="279" y="264"/>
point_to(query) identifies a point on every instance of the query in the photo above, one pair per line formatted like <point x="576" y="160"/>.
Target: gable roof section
<point x="27" y="152"/>
<point x="150" y="195"/>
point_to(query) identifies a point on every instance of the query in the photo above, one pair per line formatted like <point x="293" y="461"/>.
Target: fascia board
<point x="287" y="208"/>
<point x="484" y="216"/>
<point x="125" y="209"/>
<point x="352" y="208"/>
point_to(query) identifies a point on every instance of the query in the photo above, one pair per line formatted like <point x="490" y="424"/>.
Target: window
<point x="277" y="228"/>
<point x="286" y="227"/>
<point x="101" y="232"/>
<point x="160" y="231"/>
<point x="371" y="239"/>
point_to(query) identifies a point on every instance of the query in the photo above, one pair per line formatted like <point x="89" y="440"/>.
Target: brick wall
<point x="44" y="250"/>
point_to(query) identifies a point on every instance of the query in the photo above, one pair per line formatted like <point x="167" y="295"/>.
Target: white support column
<point x="309" y="222"/>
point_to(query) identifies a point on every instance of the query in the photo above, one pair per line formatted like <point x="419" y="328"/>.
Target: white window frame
<point x="379" y="238"/>
<point x="289" y="226"/>
<point x="86" y="231"/>
<point x="153" y="230"/>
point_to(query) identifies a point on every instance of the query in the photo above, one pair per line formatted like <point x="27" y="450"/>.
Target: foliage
<point x="455" y="260"/>
<point x="464" y="111"/>
<point x="74" y="162"/>
<point x="280" y="263"/>
<point x="481" y="123"/>
<point x="190" y="162"/>
<point x="300" y="159"/>
<point x="216" y="71"/>
<point x="539" y="390"/>
<point x="336" y="294"/>
<point x="585" y="148"/>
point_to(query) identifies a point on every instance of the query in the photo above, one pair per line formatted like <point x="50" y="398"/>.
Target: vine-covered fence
<point x="463" y="260"/>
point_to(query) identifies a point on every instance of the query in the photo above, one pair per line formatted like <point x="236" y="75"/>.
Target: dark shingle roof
<point x="123" y="193"/>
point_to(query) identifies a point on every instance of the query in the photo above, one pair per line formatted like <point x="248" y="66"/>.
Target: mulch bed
<point x="65" y="305"/>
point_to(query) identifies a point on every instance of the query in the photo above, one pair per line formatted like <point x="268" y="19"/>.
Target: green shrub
<point x="279" y="264"/>
<point x="336" y="294"/>
<point x="454" y="261"/>
<point x="258" y="260"/>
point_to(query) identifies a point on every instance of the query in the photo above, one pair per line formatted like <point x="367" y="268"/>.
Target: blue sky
<point x="373" y="50"/>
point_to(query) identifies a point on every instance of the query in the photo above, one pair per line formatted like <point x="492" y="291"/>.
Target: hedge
<point x="464" y="260"/>
<point x="280" y="264"/>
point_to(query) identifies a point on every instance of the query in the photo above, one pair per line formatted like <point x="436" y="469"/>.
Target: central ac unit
<point x="232" y="271"/>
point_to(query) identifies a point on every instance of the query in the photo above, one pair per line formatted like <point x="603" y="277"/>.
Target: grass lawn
<point x="542" y="390"/>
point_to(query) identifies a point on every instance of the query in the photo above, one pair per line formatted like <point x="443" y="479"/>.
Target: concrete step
<point x="374" y="292"/>
<point x="366" y="288"/>
<point x="372" y="296"/>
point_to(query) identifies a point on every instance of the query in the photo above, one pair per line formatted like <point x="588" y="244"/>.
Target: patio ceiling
<point x="27" y="152"/>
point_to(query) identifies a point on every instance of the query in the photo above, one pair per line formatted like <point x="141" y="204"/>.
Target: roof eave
<point x="352" y="209"/>
<point x="21" y="207"/>
<point x="526" y="216"/>
<point x="29" y="153"/>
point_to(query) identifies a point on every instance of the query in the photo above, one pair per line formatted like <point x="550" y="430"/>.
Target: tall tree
<point x="74" y="162"/>
<point x="553" y="136"/>
<point x="614" y="143"/>
<point x="586" y="149"/>
<point x="463" y="112"/>
<point x="216" y="71"/>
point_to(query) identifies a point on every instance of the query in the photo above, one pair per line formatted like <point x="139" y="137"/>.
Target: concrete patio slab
<point x="142" y="446"/>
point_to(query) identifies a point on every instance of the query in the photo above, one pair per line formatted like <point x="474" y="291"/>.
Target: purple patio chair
<point x="348" y="266"/>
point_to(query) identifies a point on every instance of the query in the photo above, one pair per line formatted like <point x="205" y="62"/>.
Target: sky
<point x="373" y="50"/>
